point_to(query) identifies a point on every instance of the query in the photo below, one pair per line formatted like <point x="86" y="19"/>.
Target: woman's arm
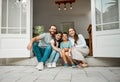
<point x="81" y="42"/>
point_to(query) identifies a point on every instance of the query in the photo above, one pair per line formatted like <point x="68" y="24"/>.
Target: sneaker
<point x="49" y="65"/>
<point x="37" y="66"/>
<point x="65" y="65"/>
<point x="53" y="64"/>
<point x="73" y="65"/>
<point x="40" y="66"/>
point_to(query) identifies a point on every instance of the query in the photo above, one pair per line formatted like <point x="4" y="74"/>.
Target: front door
<point x="14" y="28"/>
<point x="106" y="28"/>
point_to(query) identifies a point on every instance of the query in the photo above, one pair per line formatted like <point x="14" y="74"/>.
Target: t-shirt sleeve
<point x="42" y="35"/>
<point x="52" y="41"/>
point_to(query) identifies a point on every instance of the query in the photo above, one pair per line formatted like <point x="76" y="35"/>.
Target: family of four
<point x="50" y="46"/>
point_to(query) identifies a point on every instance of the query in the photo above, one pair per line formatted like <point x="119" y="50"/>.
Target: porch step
<point x="92" y="61"/>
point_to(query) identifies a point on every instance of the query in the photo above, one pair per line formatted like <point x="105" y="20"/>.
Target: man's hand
<point x="29" y="47"/>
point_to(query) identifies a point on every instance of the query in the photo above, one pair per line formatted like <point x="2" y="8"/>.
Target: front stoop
<point x="92" y="61"/>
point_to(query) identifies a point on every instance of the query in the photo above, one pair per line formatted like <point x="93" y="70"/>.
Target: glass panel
<point x="111" y="26"/>
<point x="13" y="13"/>
<point x="3" y="31"/>
<point x="98" y="11"/>
<point x="110" y="11"/>
<point x="23" y="31"/>
<point x="13" y="31"/>
<point x="23" y="16"/>
<point x="98" y="28"/>
<point x="4" y="11"/>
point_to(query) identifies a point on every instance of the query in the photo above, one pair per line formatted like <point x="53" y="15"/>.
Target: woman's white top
<point x="80" y="43"/>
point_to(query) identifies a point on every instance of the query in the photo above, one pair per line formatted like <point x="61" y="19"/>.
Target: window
<point x="107" y="14"/>
<point x="13" y="17"/>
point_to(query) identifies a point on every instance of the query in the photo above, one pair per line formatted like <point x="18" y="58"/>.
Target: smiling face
<point x="71" y="32"/>
<point x="52" y="30"/>
<point x="58" y="36"/>
<point x="65" y="37"/>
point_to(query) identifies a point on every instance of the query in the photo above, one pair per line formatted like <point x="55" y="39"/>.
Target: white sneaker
<point x="40" y="66"/>
<point x="49" y="65"/>
<point x="37" y="65"/>
<point x="53" y="64"/>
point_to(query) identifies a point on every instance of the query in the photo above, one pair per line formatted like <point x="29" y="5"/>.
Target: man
<point x="43" y="49"/>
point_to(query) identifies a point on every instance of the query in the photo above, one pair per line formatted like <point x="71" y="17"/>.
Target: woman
<point x="80" y="49"/>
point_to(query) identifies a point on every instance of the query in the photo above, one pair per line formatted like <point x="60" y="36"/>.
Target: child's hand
<point x="59" y="50"/>
<point x="66" y="49"/>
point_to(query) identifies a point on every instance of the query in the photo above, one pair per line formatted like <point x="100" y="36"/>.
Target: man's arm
<point x="32" y="41"/>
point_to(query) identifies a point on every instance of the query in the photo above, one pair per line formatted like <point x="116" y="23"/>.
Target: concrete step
<point x="92" y="61"/>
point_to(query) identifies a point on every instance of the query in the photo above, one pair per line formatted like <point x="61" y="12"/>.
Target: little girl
<point x="55" y="43"/>
<point x="65" y="46"/>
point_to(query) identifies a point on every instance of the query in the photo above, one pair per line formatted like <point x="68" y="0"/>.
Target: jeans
<point x="41" y="53"/>
<point x="54" y="56"/>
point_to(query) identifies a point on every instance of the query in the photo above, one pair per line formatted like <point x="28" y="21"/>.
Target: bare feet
<point x="84" y="65"/>
<point x="78" y="66"/>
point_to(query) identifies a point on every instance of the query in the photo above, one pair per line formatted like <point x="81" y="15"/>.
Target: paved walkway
<point x="59" y="74"/>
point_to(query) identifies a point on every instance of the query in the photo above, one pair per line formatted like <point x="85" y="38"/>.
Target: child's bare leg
<point x="69" y="58"/>
<point x="63" y="56"/>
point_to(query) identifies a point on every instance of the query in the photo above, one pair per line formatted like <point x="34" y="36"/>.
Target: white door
<point x="14" y="28"/>
<point x="106" y="28"/>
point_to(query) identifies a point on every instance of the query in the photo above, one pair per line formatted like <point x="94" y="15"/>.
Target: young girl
<point x="65" y="47"/>
<point x="55" y="43"/>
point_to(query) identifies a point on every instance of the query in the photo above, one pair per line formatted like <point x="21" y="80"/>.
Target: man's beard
<point x="52" y="33"/>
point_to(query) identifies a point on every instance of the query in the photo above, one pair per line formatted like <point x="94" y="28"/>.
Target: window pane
<point x="13" y="31"/>
<point x="98" y="28"/>
<point x="110" y="11"/>
<point x="3" y="31"/>
<point x="13" y="13"/>
<point x="111" y="26"/>
<point x="67" y="25"/>
<point x="23" y="16"/>
<point x="4" y="11"/>
<point x="98" y="11"/>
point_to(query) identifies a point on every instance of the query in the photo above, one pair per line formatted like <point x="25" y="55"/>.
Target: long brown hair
<point x="75" y="36"/>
